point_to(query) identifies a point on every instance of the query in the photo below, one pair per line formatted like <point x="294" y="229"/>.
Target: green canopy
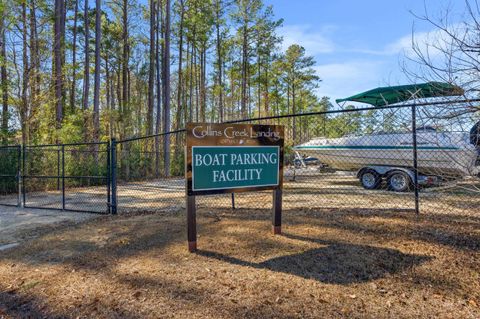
<point x="395" y="94"/>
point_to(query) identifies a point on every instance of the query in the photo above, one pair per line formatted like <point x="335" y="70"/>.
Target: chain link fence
<point x="354" y="160"/>
<point x="375" y="160"/>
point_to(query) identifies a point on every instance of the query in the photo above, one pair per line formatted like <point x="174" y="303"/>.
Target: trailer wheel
<point x="370" y="179"/>
<point x="398" y="181"/>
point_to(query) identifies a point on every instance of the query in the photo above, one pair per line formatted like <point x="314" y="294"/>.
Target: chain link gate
<point x="68" y="177"/>
<point x="141" y="179"/>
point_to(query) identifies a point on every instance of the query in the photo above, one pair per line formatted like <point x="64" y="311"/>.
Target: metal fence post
<point x="109" y="172"/>
<point x="113" y="176"/>
<point x="24" y="170"/>
<point x="58" y="169"/>
<point x="63" y="177"/>
<point x="415" y="158"/>
<point x="19" y="178"/>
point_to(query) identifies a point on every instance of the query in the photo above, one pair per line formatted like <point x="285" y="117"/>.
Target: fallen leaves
<point x="145" y="270"/>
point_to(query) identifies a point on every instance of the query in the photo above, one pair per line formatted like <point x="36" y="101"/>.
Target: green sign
<point x="229" y="167"/>
<point x="226" y="158"/>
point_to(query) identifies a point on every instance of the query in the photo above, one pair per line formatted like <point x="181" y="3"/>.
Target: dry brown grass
<point x="330" y="262"/>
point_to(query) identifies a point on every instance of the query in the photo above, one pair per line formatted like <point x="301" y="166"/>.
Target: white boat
<point x="443" y="154"/>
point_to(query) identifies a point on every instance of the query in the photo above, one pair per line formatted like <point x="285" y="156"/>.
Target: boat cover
<point x="396" y="94"/>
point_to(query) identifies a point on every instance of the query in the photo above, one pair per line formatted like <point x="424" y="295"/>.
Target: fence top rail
<point x="150" y="136"/>
<point x="63" y="176"/>
<point x="9" y="147"/>
<point x="67" y="144"/>
<point x="368" y="108"/>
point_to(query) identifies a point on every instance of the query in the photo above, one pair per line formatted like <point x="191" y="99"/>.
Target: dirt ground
<point x="329" y="263"/>
<point x="17" y="224"/>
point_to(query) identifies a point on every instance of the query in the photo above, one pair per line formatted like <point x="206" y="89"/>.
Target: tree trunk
<point x="109" y="98"/>
<point x="180" y="74"/>
<point x="119" y="92"/>
<point x="204" y="79"/>
<point x="184" y="95"/>
<point x="62" y="51"/>
<point x="158" y="53"/>
<point x="219" y="61"/>
<point x="202" y="84"/>
<point x="159" y="66"/>
<point x="96" y="90"/>
<point x="166" y="92"/>
<point x="259" y="80"/>
<point x="86" y="77"/>
<point x="294" y="129"/>
<point x="197" y="83"/>
<point x="244" y="72"/>
<point x="25" y="77"/>
<point x="151" y="70"/>
<point x="125" y="60"/>
<point x="34" y="64"/>
<point x="190" y="83"/>
<point x="57" y="52"/>
<point x="249" y="95"/>
<point x="288" y="103"/>
<point x="267" y="87"/>
<point x="232" y="92"/>
<point x="3" y="78"/>
<point x="125" y="87"/>
<point x="74" y="59"/>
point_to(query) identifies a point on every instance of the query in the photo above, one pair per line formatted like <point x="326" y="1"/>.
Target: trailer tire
<point x="398" y="181"/>
<point x="370" y="179"/>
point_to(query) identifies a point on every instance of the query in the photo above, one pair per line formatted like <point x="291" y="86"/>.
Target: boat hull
<point x="446" y="155"/>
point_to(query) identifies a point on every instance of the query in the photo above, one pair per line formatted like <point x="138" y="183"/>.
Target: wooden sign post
<point x="227" y="158"/>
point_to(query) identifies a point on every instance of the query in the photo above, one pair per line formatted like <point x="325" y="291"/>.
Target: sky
<point x="358" y="45"/>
